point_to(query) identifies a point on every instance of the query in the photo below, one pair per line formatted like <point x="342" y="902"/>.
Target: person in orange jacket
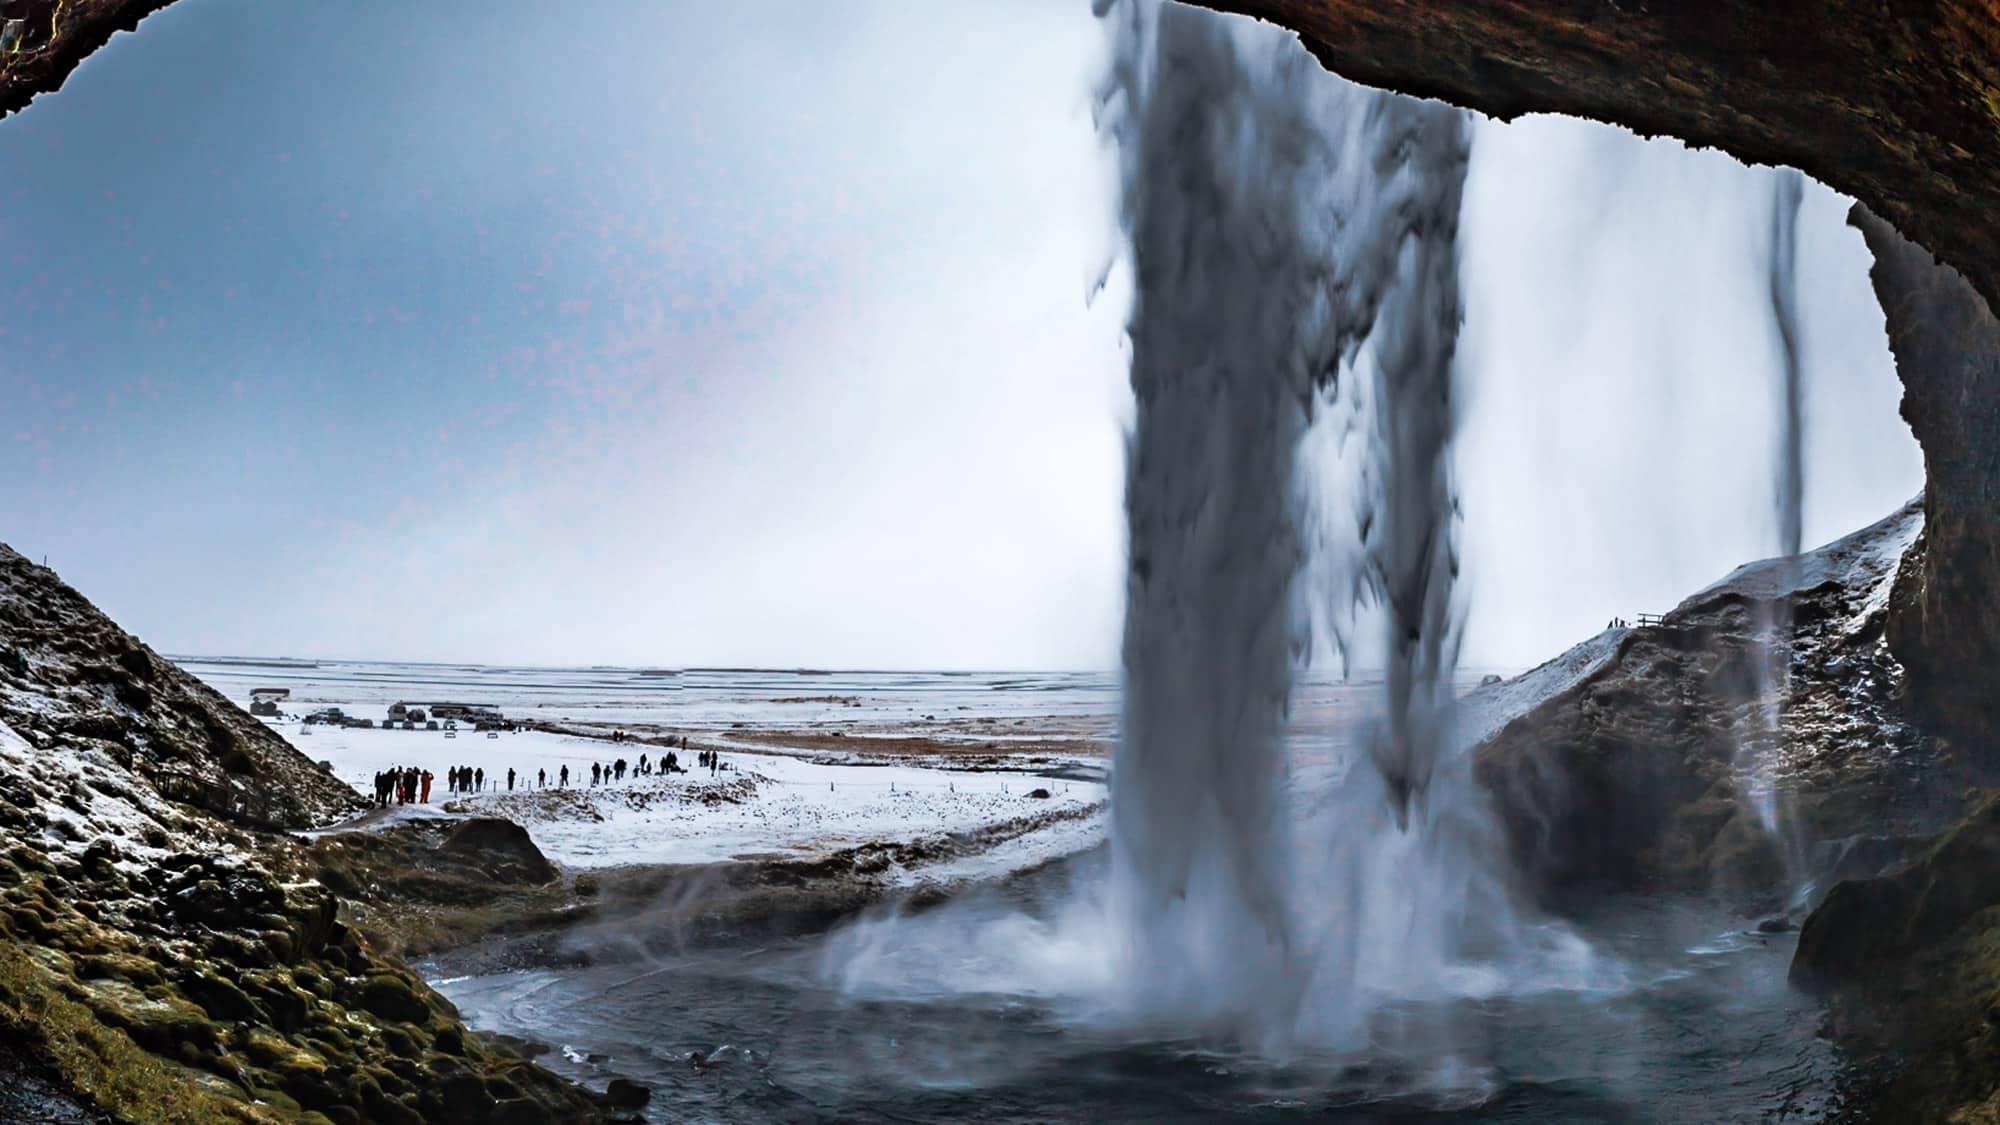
<point x="428" y="775"/>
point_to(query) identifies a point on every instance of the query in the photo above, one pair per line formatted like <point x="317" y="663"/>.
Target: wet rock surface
<point x="1911" y="964"/>
<point x="1944" y="623"/>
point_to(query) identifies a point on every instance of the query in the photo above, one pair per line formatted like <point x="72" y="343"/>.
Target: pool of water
<point x="1701" y="1028"/>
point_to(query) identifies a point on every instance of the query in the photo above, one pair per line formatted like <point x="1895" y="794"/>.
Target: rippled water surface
<point x="1702" y="1029"/>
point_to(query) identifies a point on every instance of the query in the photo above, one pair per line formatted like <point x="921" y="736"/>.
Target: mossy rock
<point x="274" y="1052"/>
<point x="160" y="1022"/>
<point x="220" y="999"/>
<point x="272" y="990"/>
<point x="385" y="1110"/>
<point x="125" y="966"/>
<point x="393" y="998"/>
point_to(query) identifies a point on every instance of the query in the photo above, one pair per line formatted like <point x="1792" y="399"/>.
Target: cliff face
<point x="1910" y="962"/>
<point x="1945" y="621"/>
<point x="166" y="952"/>
<point x="84" y="688"/>
<point x="1648" y="773"/>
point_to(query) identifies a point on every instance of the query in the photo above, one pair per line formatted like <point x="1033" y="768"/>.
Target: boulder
<point x="501" y="849"/>
<point x="623" y="1094"/>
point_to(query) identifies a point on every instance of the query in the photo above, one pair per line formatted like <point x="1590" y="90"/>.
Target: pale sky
<point x="674" y="333"/>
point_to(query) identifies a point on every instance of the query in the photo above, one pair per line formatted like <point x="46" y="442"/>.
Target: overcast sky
<point x="667" y="333"/>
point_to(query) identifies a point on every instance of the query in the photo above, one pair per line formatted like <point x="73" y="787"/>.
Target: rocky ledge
<point x="169" y="951"/>
<point x="1753" y="743"/>
<point x="1911" y="963"/>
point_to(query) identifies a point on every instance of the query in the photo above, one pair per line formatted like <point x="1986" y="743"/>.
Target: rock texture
<point x="52" y="36"/>
<point x="1895" y="103"/>
<point x="1945" y="622"/>
<point x="421" y="886"/>
<point x="1649" y="773"/>
<point x="165" y="954"/>
<point x="1912" y="962"/>
<point x="89" y="690"/>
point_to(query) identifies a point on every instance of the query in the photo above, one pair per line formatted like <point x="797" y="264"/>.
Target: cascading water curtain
<point x="1287" y="231"/>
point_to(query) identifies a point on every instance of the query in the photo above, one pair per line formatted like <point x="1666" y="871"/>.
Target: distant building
<point x="271" y="693"/>
<point x="474" y="712"/>
<point x="397" y="710"/>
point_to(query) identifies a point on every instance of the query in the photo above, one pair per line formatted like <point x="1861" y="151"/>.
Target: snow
<point x="89" y="795"/>
<point x="1872" y="553"/>
<point x="1484" y="711"/>
<point x="1030" y="849"/>
<point x="761" y="804"/>
<point x="1869" y="556"/>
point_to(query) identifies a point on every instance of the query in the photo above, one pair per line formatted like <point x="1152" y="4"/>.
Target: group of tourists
<point x="408" y="785"/>
<point x="647" y="767"/>
<point x="471" y="779"/>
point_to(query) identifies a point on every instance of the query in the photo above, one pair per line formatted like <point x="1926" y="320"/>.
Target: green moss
<point x="99" y="1060"/>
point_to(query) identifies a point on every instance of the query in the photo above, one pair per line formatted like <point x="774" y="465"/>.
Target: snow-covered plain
<point x="760" y="805"/>
<point x="789" y="787"/>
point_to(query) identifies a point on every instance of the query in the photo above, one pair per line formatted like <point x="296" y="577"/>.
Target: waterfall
<point x="1293" y="247"/>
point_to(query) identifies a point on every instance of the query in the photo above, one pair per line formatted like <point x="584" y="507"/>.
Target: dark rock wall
<point x="52" y="37"/>
<point x="1910" y="965"/>
<point x="1945" y="627"/>
<point x="1640" y="777"/>
<point x="1895" y="102"/>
